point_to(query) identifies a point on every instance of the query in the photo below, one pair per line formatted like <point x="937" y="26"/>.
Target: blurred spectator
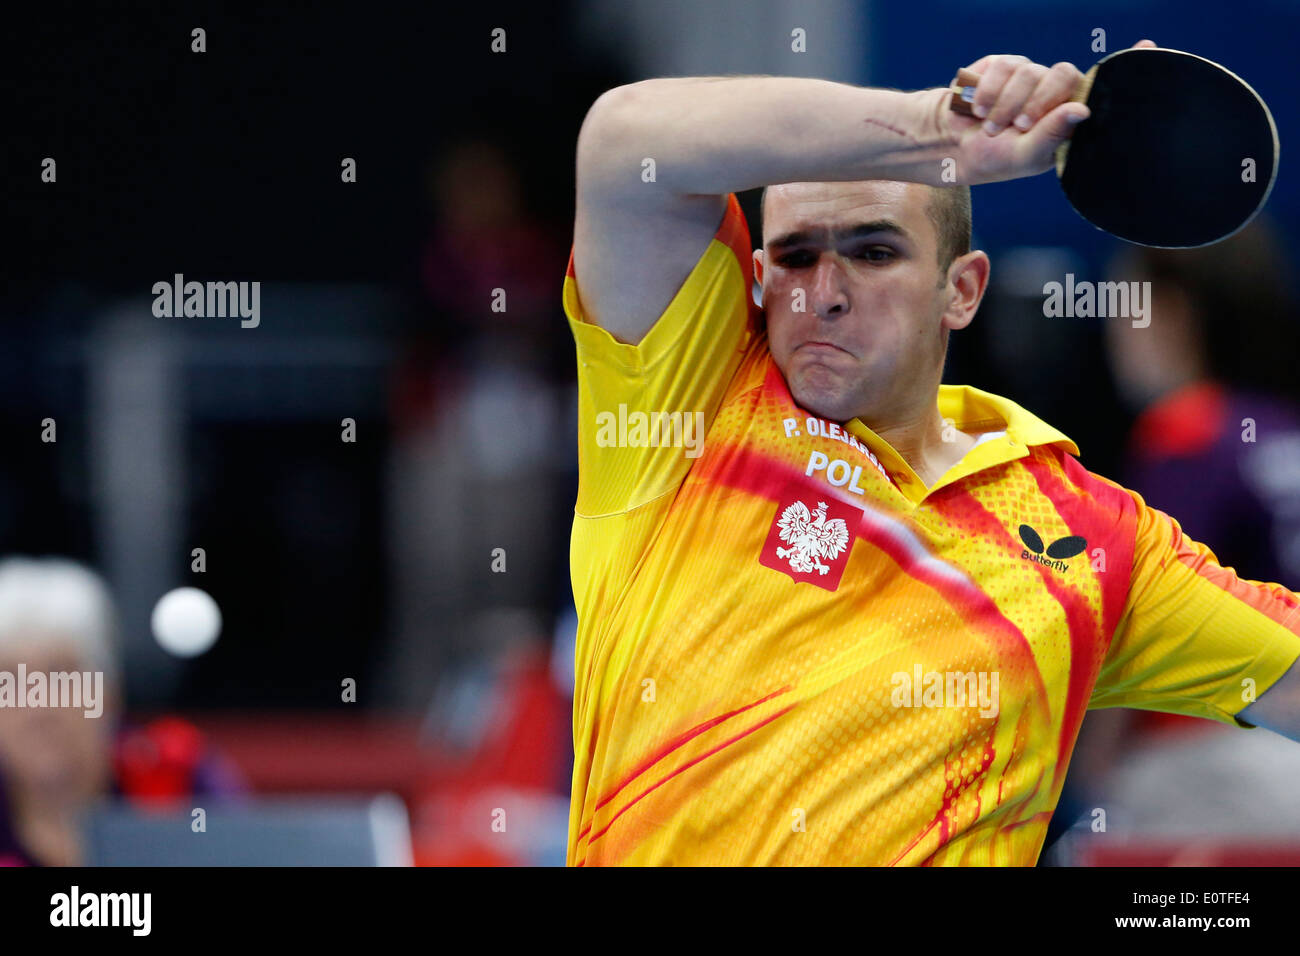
<point x="57" y="616"/>
<point x="503" y="730"/>
<point x="483" y="239"/>
<point x="1217" y="440"/>
<point x="480" y="486"/>
<point x="1216" y="444"/>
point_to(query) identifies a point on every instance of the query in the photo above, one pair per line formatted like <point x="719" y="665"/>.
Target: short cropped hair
<point x="949" y="211"/>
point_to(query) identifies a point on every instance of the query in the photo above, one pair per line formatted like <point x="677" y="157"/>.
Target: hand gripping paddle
<point x="1177" y="151"/>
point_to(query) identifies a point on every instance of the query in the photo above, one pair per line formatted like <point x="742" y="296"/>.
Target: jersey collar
<point x="973" y="411"/>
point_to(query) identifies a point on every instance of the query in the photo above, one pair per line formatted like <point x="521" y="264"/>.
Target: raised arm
<point x="639" y="228"/>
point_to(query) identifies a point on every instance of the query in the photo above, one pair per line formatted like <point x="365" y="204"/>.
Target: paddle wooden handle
<point x="962" y="89"/>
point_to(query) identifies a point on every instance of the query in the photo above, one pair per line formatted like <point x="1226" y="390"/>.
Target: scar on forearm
<point x="892" y="129"/>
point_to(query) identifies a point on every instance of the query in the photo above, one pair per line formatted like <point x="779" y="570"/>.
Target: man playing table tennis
<point x="862" y="622"/>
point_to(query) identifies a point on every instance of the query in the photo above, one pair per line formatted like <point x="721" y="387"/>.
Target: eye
<point x="796" y="260"/>
<point x="876" y="254"/>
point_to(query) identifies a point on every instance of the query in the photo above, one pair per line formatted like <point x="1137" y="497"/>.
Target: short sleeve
<point x="644" y="409"/>
<point x="1194" y="637"/>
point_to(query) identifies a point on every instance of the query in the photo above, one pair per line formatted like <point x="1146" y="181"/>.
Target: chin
<point x="831" y="404"/>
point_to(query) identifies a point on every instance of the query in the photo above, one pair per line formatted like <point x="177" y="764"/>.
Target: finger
<point x="1144" y="44"/>
<point x="1054" y="128"/>
<point x="996" y="73"/>
<point x="1059" y="85"/>
<point x="982" y="63"/>
<point x="1014" y="94"/>
<point x="979" y="66"/>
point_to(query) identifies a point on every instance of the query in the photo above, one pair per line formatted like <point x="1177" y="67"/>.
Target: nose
<point x="829" y="293"/>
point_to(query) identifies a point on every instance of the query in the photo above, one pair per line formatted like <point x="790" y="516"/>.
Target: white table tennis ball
<point x="186" y="622"/>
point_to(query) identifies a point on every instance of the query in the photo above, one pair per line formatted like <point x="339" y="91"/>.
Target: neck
<point x="919" y="440"/>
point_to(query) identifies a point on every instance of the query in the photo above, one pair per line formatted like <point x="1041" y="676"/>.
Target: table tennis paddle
<point x="1163" y="158"/>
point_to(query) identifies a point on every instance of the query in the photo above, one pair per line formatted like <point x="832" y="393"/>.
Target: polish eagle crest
<point x="811" y="537"/>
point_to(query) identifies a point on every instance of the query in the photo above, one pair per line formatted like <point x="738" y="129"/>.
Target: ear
<point x="757" y="292"/>
<point x="968" y="278"/>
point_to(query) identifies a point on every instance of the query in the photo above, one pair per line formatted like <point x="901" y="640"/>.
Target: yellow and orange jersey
<point x="791" y="651"/>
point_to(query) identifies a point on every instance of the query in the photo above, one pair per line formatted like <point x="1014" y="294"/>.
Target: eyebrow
<point x="861" y="230"/>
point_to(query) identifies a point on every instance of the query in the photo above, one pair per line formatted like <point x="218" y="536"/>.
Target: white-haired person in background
<point x="57" y="617"/>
